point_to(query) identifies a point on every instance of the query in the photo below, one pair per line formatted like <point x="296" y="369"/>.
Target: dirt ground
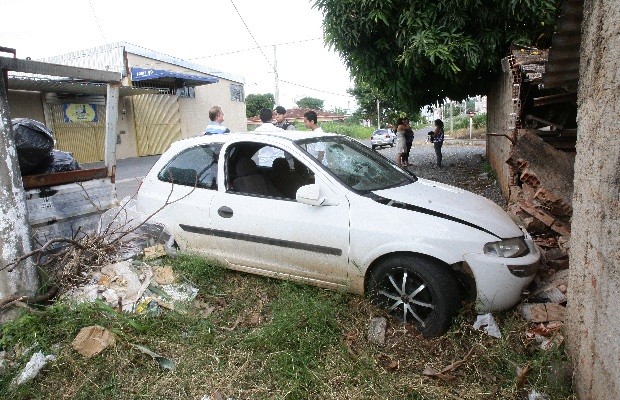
<point x="463" y="166"/>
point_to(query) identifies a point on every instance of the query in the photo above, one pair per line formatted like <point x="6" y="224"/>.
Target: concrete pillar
<point x="593" y="332"/>
<point x="14" y="228"/>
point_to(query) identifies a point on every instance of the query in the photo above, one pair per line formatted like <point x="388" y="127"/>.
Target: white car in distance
<point x="327" y="210"/>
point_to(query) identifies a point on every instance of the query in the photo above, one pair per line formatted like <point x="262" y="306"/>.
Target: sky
<point x="249" y="38"/>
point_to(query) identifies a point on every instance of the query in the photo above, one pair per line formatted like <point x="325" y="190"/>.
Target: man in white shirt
<point x="316" y="149"/>
<point x="267" y="154"/>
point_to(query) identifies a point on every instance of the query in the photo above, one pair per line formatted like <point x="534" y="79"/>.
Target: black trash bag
<point x="56" y="161"/>
<point x="33" y="141"/>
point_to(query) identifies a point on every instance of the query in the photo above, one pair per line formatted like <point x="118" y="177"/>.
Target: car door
<point x="185" y="187"/>
<point x="273" y="235"/>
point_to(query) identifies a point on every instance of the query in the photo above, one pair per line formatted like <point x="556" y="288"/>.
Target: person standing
<point x="437" y="138"/>
<point x="281" y="121"/>
<point x="267" y="154"/>
<point x="316" y="149"/>
<point x="408" y="141"/>
<point x="401" y="143"/>
<point x="215" y="127"/>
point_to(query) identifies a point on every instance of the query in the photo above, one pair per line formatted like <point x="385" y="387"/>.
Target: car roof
<point x="250" y="135"/>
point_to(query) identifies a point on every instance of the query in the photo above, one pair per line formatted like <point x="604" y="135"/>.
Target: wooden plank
<point x="58" y="178"/>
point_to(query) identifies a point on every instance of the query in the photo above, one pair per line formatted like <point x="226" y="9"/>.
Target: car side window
<point x="196" y="166"/>
<point x="264" y="171"/>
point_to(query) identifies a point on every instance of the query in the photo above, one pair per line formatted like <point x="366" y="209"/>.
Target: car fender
<point x="362" y="265"/>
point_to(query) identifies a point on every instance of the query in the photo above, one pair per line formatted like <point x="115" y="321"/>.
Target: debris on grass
<point x="542" y="312"/>
<point x="133" y="287"/>
<point x="488" y="324"/>
<point x="92" y="340"/>
<point x="164" y="363"/>
<point x="32" y="368"/>
<point x="376" y="330"/>
<point x="443" y="374"/>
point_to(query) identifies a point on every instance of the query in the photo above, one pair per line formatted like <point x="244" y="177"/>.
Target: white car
<point x="331" y="212"/>
<point x="382" y="137"/>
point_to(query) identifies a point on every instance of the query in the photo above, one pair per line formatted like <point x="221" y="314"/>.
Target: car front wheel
<point x="416" y="290"/>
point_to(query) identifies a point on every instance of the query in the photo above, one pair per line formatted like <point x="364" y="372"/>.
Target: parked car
<point x="382" y="137"/>
<point x="353" y="220"/>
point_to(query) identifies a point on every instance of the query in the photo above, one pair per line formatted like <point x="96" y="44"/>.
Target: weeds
<point x="271" y="339"/>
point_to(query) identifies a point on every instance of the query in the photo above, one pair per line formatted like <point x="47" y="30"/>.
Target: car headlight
<point x="508" y="248"/>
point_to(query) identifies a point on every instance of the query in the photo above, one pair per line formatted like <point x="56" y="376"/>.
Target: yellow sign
<point x="80" y="112"/>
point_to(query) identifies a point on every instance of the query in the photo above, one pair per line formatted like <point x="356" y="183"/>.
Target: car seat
<point x="250" y="180"/>
<point x="285" y="180"/>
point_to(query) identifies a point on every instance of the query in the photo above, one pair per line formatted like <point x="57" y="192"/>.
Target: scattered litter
<point x="32" y="368"/>
<point x="163" y="275"/>
<point x="153" y="252"/>
<point x="542" y="312"/>
<point x="376" y="330"/>
<point x="430" y="371"/>
<point x="534" y="395"/>
<point x="490" y="326"/>
<point x="522" y="376"/>
<point x="133" y="287"/>
<point x="92" y="340"/>
<point x="163" y="362"/>
<point x="2" y="361"/>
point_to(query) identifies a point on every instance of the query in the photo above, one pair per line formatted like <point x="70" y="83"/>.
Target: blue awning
<point x="170" y="77"/>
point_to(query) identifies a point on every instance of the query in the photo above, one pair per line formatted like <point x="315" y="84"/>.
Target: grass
<point x="249" y="337"/>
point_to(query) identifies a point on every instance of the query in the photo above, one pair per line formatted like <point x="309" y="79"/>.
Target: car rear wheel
<point x="416" y="290"/>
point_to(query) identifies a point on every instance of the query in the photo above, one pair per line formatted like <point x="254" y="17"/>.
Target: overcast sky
<point x="211" y="33"/>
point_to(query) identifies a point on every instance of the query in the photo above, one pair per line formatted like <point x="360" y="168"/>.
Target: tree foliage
<point x="255" y="102"/>
<point x="310" y="102"/>
<point x="418" y="52"/>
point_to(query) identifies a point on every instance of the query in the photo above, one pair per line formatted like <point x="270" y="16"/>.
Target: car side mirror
<point x="311" y="195"/>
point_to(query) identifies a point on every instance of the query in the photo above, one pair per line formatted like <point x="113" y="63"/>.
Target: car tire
<point x="374" y="146"/>
<point x="392" y="144"/>
<point x="434" y="287"/>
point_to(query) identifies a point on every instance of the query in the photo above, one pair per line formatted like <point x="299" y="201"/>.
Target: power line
<point x="315" y="89"/>
<point x="254" y="48"/>
<point x="250" y="32"/>
<point x="97" y="21"/>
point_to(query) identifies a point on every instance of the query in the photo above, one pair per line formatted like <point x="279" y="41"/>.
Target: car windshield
<point x="354" y="164"/>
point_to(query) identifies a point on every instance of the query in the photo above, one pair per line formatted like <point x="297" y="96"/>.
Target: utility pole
<point x="451" y="117"/>
<point x="275" y="74"/>
<point x="378" y="115"/>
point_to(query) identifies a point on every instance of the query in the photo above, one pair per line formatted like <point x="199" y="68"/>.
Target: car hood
<point x="455" y="204"/>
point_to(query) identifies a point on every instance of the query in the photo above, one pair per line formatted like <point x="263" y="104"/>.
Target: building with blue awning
<point x="163" y="99"/>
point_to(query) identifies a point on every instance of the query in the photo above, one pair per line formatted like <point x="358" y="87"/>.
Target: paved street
<point x="131" y="171"/>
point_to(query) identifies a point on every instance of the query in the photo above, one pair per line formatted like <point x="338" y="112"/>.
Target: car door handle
<point x="225" y="212"/>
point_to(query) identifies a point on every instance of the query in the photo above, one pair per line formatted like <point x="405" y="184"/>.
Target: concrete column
<point x="14" y="228"/>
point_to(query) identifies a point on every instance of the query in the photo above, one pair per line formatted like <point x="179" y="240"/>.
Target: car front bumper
<point x="500" y="281"/>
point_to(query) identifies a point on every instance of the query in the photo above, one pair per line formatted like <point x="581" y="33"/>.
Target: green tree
<point x="418" y="52"/>
<point x="310" y="102"/>
<point x="255" y="102"/>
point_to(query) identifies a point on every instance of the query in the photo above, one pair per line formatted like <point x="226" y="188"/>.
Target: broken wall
<point x="593" y="333"/>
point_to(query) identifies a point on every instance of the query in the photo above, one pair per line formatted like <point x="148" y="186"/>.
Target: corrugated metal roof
<point x="110" y="57"/>
<point x="562" y="68"/>
<point x="69" y="86"/>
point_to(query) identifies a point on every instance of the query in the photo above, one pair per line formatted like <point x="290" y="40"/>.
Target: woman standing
<point x="401" y="144"/>
<point x="437" y="139"/>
